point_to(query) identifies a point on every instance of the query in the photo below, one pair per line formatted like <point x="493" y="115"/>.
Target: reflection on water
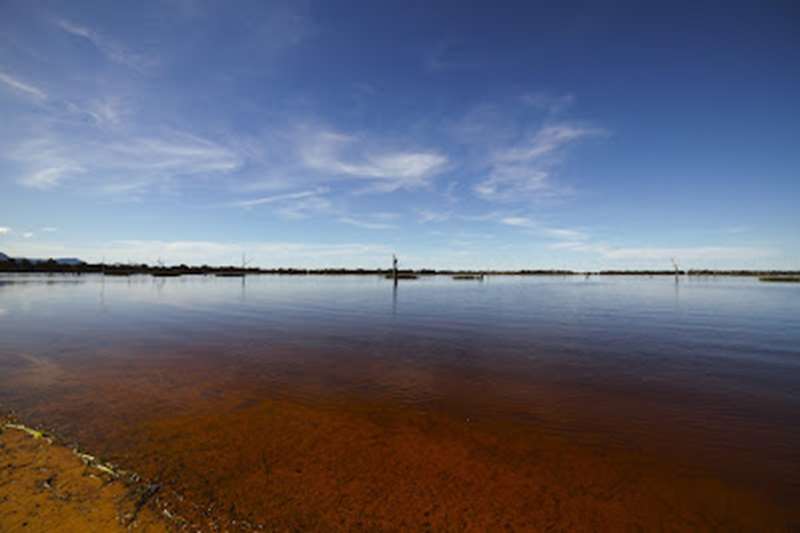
<point x="348" y="402"/>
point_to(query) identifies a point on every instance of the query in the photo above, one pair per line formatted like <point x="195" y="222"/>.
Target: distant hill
<point x="69" y="261"/>
<point x="73" y="261"/>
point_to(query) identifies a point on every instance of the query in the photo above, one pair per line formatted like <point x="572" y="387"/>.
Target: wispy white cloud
<point x="365" y="223"/>
<point x="174" y="153"/>
<point x="428" y="215"/>
<point x="74" y="29"/>
<point x="120" y="165"/>
<point x="525" y="170"/>
<point x="28" y="234"/>
<point x="665" y="254"/>
<point x="522" y="222"/>
<point x="546" y="141"/>
<point x="542" y="229"/>
<point x="119" y="190"/>
<point x="306" y="207"/>
<point x="49" y="229"/>
<point x="277" y="198"/>
<point x="564" y="233"/>
<point x="315" y="202"/>
<point x="450" y="194"/>
<point x="105" y="110"/>
<point x="687" y="253"/>
<point x="108" y="47"/>
<point x="385" y="215"/>
<point x="21" y="87"/>
<point x="341" y="155"/>
<point x="51" y="176"/>
<point x="5" y="230"/>
<point x="485" y="126"/>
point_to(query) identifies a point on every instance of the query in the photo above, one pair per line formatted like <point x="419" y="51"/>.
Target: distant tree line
<point x="8" y="264"/>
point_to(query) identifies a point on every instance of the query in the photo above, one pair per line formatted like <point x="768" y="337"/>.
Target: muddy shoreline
<point x="47" y="485"/>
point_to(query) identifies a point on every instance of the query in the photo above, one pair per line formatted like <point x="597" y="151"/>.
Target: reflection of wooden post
<point x="394" y="268"/>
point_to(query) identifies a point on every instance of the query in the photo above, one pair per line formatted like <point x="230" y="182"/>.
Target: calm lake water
<point x="346" y="403"/>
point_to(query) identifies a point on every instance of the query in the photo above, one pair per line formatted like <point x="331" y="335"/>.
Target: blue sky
<point x="457" y="134"/>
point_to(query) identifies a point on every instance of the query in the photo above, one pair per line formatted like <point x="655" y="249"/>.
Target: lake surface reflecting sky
<point x="346" y="403"/>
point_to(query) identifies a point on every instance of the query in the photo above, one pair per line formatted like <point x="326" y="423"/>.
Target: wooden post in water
<point x="677" y="270"/>
<point x="245" y="262"/>
<point x="394" y="268"/>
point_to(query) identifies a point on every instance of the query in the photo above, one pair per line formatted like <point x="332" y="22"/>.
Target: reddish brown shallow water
<point x="301" y="404"/>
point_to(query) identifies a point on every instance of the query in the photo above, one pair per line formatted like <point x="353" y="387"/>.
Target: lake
<point x="346" y="403"/>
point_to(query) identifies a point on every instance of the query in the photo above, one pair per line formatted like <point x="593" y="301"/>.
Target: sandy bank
<point x="47" y="486"/>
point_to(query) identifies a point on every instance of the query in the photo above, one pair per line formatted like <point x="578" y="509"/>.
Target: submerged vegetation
<point x="779" y="278"/>
<point x="478" y="277"/>
<point x="402" y="275"/>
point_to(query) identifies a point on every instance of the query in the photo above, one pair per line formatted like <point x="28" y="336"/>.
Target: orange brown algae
<point x="247" y="458"/>
<point x="295" y="467"/>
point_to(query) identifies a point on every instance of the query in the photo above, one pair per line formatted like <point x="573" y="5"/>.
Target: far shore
<point x="53" y="267"/>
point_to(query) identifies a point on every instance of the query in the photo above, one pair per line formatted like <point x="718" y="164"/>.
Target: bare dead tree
<point x="676" y="267"/>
